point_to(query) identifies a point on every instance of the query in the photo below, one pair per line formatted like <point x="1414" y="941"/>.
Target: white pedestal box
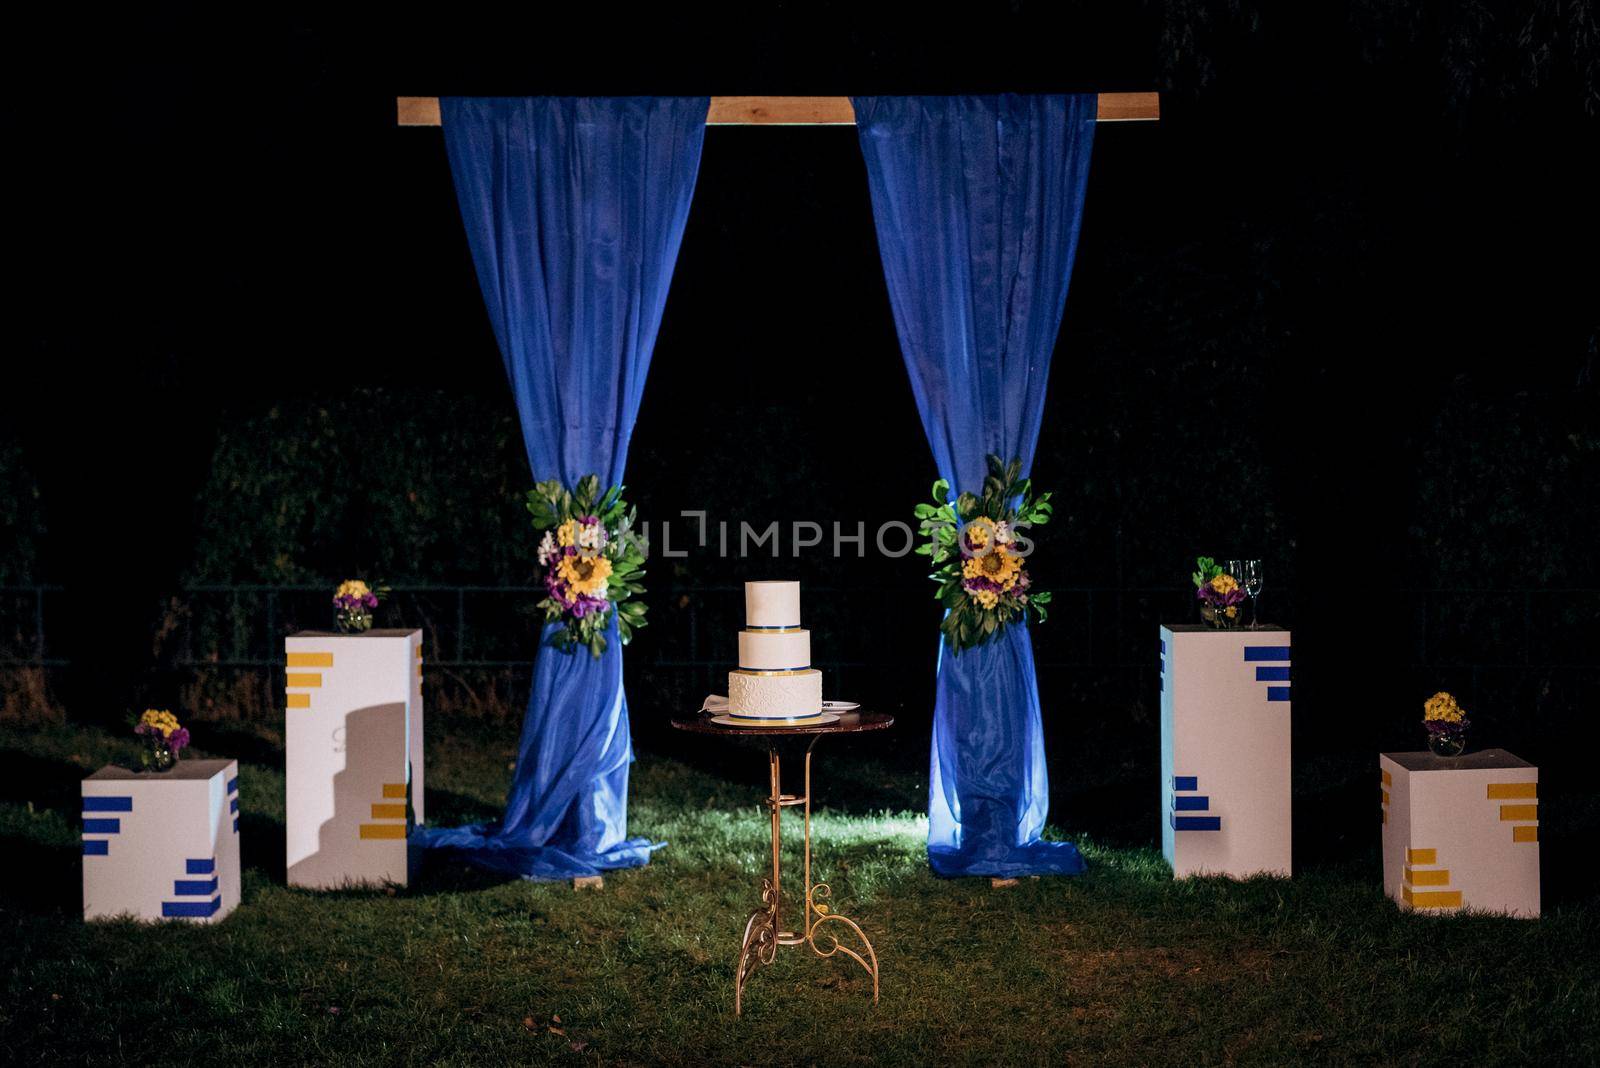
<point x="162" y="845"/>
<point x="1461" y="832"/>
<point x="353" y="755"/>
<point x="1225" y="750"/>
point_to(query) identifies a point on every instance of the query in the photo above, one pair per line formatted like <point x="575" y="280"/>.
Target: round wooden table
<point x="763" y="932"/>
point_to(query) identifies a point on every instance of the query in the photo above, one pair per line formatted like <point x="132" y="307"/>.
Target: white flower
<point x="591" y="537"/>
<point x="1002" y="533"/>
<point x="547" y="548"/>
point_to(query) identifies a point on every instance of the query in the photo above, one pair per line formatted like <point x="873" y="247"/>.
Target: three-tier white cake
<point x="774" y="684"/>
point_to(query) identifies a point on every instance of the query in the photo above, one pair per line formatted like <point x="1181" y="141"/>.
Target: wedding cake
<point x="774" y="684"/>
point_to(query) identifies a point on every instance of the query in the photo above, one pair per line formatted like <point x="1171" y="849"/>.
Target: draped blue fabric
<point x="574" y="211"/>
<point x="977" y="202"/>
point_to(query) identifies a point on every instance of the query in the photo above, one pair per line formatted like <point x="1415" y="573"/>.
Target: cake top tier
<point x="771" y="605"/>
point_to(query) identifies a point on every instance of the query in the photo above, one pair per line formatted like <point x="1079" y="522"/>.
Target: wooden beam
<point x="803" y="110"/>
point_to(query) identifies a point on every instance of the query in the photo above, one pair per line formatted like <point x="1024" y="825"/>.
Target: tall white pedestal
<point x="353" y="755"/>
<point x="162" y="845"/>
<point x="1225" y="750"/>
<point x="1461" y="832"/>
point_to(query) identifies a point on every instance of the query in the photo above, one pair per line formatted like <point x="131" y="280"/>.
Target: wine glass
<point x="1232" y="567"/>
<point x="1250" y="577"/>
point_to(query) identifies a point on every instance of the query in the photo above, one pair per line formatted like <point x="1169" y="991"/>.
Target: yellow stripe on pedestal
<point x="1525" y="833"/>
<point x="308" y="680"/>
<point x="1388" y="780"/>
<point x="1385" y="794"/>
<point x="394" y="789"/>
<point x="1422" y="856"/>
<point x="1506" y="791"/>
<point x="1424" y="877"/>
<point x="310" y="659"/>
<point x="383" y="830"/>
<point x="297" y="700"/>
<point x="1431" y="899"/>
<point x="1519" y="812"/>
<point x="390" y="811"/>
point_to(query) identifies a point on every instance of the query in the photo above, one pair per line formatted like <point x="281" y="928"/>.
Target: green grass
<point x="1122" y="965"/>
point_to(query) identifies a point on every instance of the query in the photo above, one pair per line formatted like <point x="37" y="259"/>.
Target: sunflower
<point x="997" y="565"/>
<point x="584" y="574"/>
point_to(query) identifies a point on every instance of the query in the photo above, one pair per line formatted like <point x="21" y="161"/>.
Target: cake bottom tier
<point x="787" y="696"/>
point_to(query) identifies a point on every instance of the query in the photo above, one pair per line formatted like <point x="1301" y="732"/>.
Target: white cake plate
<point x="821" y="720"/>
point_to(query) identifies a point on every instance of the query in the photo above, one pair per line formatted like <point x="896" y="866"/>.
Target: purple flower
<point x="370" y="600"/>
<point x="1445" y="727"/>
<point x="558" y="589"/>
<point x="1218" y="600"/>
<point x="586" y="605"/>
<point x="178" y="739"/>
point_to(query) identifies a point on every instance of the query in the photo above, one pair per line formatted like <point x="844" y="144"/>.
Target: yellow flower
<point x="1224" y="583"/>
<point x="159" y="719"/>
<point x="1442" y="707"/>
<point x="352" y="588"/>
<point x="566" y="534"/>
<point x="985" y="598"/>
<point x="979" y="531"/>
<point x="997" y="565"/>
<point x="1231" y="611"/>
<point x="584" y="574"/>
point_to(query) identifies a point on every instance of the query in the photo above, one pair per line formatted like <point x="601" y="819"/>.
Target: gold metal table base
<point x="764" y="932"/>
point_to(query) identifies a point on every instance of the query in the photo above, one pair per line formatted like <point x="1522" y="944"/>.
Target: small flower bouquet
<point x="163" y="737"/>
<point x="978" y="550"/>
<point x="1218" y="592"/>
<point x="353" y="604"/>
<point x="1446" y="723"/>
<point x="591" y="560"/>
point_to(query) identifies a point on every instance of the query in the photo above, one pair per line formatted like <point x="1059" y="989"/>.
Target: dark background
<point x="1337" y="309"/>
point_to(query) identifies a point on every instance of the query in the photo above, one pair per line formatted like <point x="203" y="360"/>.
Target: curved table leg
<point x="760" y="945"/>
<point x="762" y="932"/>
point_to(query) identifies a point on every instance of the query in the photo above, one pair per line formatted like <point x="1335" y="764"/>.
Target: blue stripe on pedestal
<point x="1266" y="652"/>
<point x="233" y="805"/>
<point x="1277" y="693"/>
<point x="1185" y="800"/>
<point x="203" y="866"/>
<point x="194" y="887"/>
<point x="236" y="825"/>
<point x="178" y="909"/>
<point x="94" y="847"/>
<point x="108" y="804"/>
<point x="102" y="826"/>
<point x="1272" y="674"/>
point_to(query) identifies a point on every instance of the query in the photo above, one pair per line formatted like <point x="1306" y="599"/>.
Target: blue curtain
<point x="574" y="210"/>
<point x="977" y="202"/>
